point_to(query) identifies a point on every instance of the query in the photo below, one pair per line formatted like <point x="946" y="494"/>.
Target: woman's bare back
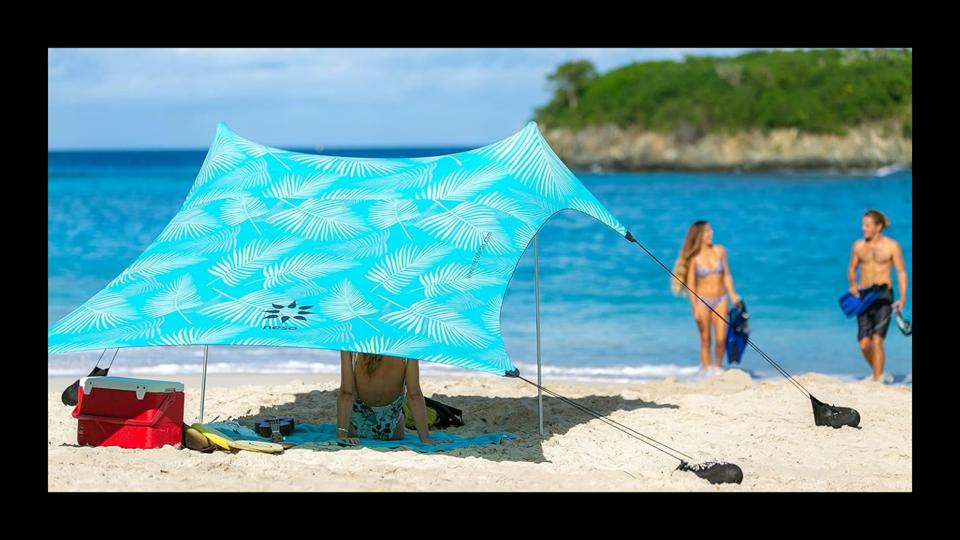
<point x="384" y="384"/>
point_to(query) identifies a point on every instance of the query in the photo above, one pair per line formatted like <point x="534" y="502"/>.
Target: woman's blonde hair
<point x="878" y="217"/>
<point x="689" y="249"/>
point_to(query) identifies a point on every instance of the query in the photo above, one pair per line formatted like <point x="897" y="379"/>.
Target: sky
<point x="101" y="99"/>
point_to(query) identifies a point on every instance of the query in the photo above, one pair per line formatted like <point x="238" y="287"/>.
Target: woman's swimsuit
<point x="702" y="272"/>
<point x="381" y="422"/>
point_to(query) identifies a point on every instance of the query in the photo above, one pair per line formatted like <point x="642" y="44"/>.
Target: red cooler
<point x="129" y="413"/>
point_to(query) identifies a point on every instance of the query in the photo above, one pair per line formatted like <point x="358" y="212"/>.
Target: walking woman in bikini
<point x="703" y="266"/>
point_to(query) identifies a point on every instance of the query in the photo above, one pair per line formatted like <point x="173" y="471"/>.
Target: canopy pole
<point x="536" y="302"/>
<point x="203" y="381"/>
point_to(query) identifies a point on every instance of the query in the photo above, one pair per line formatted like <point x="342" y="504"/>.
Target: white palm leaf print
<point x="188" y="223"/>
<point x="373" y="245"/>
<point x="491" y="316"/>
<point x="319" y="220"/>
<point x="454" y="361"/>
<point x="252" y="175"/>
<point x="507" y="206"/>
<point x="293" y="186"/>
<point x="353" y="167"/>
<point x="176" y="297"/>
<point x="251" y="148"/>
<point x="396" y="347"/>
<point x="463" y="184"/>
<point x="502" y="149"/>
<point x="131" y="332"/>
<point x="140" y="287"/>
<point x="522" y="236"/>
<point x="535" y="205"/>
<point x="534" y="163"/>
<point x="464" y="302"/>
<point x="437" y="321"/>
<point x="594" y="210"/>
<point x="155" y="264"/>
<point x="467" y="225"/>
<point x="346" y="303"/>
<point x="414" y="178"/>
<point x="249" y="308"/>
<point x="105" y="310"/>
<point x="357" y="194"/>
<point x="246" y="261"/>
<point x="454" y="278"/>
<point x="341" y="333"/>
<point x="303" y="267"/>
<point x="500" y="267"/>
<point x="204" y="197"/>
<point x="258" y="150"/>
<point x="541" y="168"/>
<point x="222" y="157"/>
<point x="398" y="269"/>
<point x="225" y="240"/>
<point x="386" y="214"/>
<point x="495" y="356"/>
<point x="241" y="209"/>
<point x="307" y="289"/>
<point x="74" y="346"/>
<point x="199" y="336"/>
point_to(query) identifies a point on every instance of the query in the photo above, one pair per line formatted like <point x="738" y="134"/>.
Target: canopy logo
<point x="284" y="314"/>
<point x="476" y="257"/>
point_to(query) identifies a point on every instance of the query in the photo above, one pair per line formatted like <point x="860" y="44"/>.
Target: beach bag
<point x="439" y="415"/>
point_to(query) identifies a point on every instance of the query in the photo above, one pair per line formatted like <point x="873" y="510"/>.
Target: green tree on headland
<point x="820" y="91"/>
<point x="570" y="80"/>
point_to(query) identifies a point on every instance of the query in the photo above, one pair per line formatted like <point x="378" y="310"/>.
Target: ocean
<point x="606" y="308"/>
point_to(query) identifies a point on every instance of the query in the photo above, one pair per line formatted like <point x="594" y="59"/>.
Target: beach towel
<point x="324" y="435"/>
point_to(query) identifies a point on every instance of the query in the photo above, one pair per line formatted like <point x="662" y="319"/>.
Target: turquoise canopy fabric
<point x="406" y="257"/>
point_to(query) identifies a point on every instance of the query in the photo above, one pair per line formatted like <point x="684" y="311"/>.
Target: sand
<point x="765" y="427"/>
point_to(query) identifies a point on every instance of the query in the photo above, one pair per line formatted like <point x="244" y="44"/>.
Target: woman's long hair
<point x="691" y="246"/>
<point x="372" y="360"/>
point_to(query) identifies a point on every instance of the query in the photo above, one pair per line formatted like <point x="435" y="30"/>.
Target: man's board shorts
<point x="876" y="319"/>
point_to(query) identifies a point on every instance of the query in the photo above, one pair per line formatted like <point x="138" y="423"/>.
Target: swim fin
<point x="738" y="331"/>
<point x="851" y="305"/>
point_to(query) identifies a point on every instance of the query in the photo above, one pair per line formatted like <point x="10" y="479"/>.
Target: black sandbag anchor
<point x="70" y="393"/>
<point x="715" y="472"/>
<point x="833" y="416"/>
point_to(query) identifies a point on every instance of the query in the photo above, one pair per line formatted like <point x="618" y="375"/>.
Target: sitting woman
<point x="370" y="402"/>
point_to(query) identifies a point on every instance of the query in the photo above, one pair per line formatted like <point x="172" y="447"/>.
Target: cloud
<point x="350" y="75"/>
<point x="119" y="87"/>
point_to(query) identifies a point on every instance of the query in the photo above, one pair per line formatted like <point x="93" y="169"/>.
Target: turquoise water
<point x="606" y="309"/>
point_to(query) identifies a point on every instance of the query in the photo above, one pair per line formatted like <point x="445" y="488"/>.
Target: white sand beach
<point x="765" y="427"/>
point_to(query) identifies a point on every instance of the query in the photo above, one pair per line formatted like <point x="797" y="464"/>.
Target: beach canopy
<point x="408" y="257"/>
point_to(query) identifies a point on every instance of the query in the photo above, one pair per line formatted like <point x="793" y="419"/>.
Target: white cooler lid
<point x="140" y="386"/>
